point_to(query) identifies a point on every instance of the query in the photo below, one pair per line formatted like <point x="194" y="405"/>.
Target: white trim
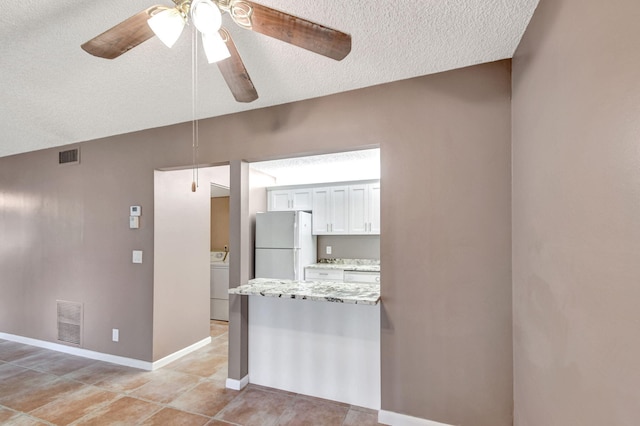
<point x="115" y="359"/>
<point x="179" y="354"/>
<point x="237" y="384"/>
<point x="391" y="418"/>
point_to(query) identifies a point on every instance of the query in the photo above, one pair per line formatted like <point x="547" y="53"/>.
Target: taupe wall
<point x="64" y="234"/>
<point x="181" y="276"/>
<point x="349" y="246"/>
<point x="219" y="223"/>
<point x="181" y="273"/>
<point x="576" y="215"/>
<point x="445" y="244"/>
<point x="446" y="248"/>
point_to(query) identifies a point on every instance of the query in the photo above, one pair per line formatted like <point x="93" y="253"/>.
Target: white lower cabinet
<point x="320" y="274"/>
<point x="339" y="275"/>
<point x="361" y="277"/>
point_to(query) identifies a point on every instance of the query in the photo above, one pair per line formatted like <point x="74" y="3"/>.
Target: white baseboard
<point x="237" y="384"/>
<point x="179" y="354"/>
<point x="99" y="356"/>
<point x="397" y="419"/>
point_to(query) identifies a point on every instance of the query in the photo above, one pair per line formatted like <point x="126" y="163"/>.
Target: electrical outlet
<point x="328" y="249"/>
<point x="136" y="256"/>
<point x="115" y="335"/>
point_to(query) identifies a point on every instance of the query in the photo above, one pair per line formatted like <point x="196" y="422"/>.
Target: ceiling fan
<point x="206" y="15"/>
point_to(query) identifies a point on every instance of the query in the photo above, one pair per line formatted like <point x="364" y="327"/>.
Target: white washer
<point x="219" y="288"/>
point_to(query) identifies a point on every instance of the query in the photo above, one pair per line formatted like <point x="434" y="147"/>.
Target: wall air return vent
<point x="70" y="156"/>
<point x="69" y="322"/>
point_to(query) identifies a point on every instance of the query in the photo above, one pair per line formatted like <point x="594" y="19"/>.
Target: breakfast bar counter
<point x="324" y="291"/>
<point x="300" y="343"/>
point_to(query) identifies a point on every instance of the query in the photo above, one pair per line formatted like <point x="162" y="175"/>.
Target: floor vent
<point x="71" y="156"/>
<point x="69" y="322"/>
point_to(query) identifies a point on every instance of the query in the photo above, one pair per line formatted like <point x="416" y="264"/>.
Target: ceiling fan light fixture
<point x="206" y="16"/>
<point x="214" y="47"/>
<point x="167" y="25"/>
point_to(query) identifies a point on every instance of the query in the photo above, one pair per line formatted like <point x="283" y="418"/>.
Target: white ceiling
<point x="53" y="93"/>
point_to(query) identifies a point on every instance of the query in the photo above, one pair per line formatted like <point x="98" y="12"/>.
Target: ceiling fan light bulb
<point x="167" y="25"/>
<point x="206" y="16"/>
<point x="214" y="47"/>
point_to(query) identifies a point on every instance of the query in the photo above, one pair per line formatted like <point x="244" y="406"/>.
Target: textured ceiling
<point x="53" y="93"/>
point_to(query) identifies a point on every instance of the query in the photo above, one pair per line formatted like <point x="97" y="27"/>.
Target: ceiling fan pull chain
<point x="194" y="100"/>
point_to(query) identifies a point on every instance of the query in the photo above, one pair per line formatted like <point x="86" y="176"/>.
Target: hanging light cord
<point x="194" y="101"/>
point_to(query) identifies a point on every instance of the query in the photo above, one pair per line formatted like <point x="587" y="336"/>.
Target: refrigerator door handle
<point x="295" y="266"/>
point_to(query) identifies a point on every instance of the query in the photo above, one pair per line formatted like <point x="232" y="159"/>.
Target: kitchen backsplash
<point x="349" y="246"/>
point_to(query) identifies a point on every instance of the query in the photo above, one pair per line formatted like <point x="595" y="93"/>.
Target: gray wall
<point x="349" y="246"/>
<point x="445" y="244"/>
<point x="576" y="215"/>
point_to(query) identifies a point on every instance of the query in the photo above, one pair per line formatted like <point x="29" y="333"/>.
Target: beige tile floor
<point x="43" y="387"/>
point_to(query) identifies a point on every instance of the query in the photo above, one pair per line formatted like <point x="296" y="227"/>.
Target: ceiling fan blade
<point x="123" y="37"/>
<point x="235" y="74"/>
<point x="317" y="38"/>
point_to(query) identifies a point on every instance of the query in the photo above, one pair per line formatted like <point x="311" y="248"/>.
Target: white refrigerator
<point x="284" y="244"/>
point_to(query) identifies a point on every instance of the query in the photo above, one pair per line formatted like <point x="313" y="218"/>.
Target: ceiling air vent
<point x="71" y="156"/>
<point x="69" y="322"/>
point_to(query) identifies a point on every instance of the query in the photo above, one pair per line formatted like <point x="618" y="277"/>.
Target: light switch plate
<point x="115" y="335"/>
<point x="135" y="210"/>
<point x="137" y="256"/>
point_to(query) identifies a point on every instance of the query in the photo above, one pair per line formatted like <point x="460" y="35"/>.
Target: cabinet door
<point x="358" y="209"/>
<point x="321" y="206"/>
<point x="339" y="214"/>
<point x="301" y="199"/>
<point x="279" y="200"/>
<point x="374" y="208"/>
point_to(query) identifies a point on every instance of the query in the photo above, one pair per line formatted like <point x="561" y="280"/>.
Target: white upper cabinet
<point x="364" y="209"/>
<point x="330" y="210"/>
<point x="358" y="209"/>
<point x="374" y="208"/>
<point x="289" y="199"/>
<point x="346" y="208"/>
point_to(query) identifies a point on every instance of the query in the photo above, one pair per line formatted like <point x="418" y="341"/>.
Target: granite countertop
<point x="363" y="265"/>
<point x="324" y="291"/>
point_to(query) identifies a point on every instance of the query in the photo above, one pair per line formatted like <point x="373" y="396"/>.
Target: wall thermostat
<point x="135" y="211"/>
